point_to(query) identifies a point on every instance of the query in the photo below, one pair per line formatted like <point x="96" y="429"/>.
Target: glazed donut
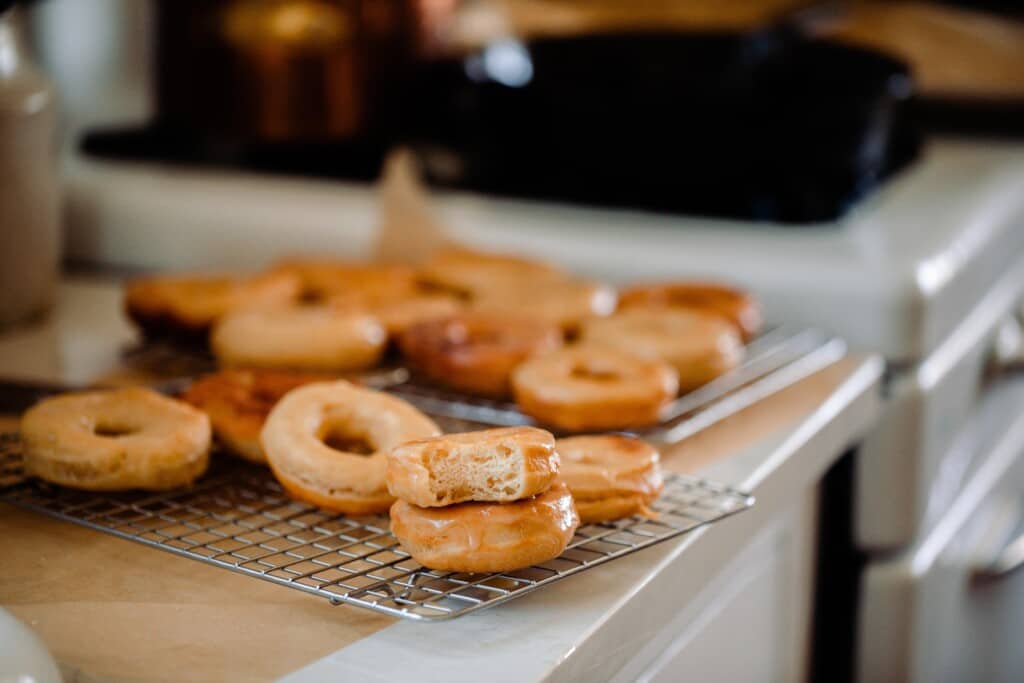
<point x="487" y="537"/>
<point x="238" y="402"/>
<point x="699" y="345"/>
<point x="563" y="303"/>
<point x="399" y="315"/>
<point x="592" y="388"/>
<point x="315" y="337"/>
<point x="492" y="465"/>
<point x="737" y="306"/>
<point x="189" y="304"/>
<point x="130" y="438"/>
<point x="476" y="352"/>
<point x="358" y="283"/>
<point x="299" y="428"/>
<point x="470" y="273"/>
<point x="610" y="476"/>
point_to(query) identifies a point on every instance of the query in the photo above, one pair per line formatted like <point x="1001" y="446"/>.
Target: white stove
<point x="928" y="270"/>
<point x="895" y="275"/>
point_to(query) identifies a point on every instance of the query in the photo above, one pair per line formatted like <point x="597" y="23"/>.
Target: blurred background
<point x="784" y="110"/>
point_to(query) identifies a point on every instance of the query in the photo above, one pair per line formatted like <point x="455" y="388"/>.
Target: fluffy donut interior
<point x="469" y="471"/>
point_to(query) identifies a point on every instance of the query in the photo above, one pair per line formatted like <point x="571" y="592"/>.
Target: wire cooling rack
<point x="237" y="517"/>
<point x="775" y="360"/>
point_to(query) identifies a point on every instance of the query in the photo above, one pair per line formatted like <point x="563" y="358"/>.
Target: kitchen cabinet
<point x="752" y="623"/>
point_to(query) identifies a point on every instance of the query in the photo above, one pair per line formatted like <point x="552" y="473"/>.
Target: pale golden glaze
<point x="315" y="337"/>
<point x="610" y="476"/>
<point x="699" y="345"/>
<point x="487" y="537"/>
<point x="612" y="508"/>
<point x="566" y="304"/>
<point x="130" y="438"/>
<point x="735" y="305"/>
<point x="399" y="315"/>
<point x="472" y="273"/>
<point x="351" y="483"/>
<point x="476" y="352"/>
<point x="354" y="283"/>
<point x="194" y="302"/>
<point x="589" y="388"/>
<point x="238" y="402"/>
<point x="491" y="465"/>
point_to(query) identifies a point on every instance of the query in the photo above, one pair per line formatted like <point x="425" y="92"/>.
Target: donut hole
<point x="114" y="430"/>
<point x="433" y="289"/>
<point x="311" y="297"/>
<point x="347" y="441"/>
<point x="594" y="373"/>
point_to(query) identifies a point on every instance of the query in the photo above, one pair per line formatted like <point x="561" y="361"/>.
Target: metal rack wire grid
<point x="238" y="517"/>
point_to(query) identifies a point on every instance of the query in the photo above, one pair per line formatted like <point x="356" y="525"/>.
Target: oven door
<point x="951" y="608"/>
<point x="909" y="470"/>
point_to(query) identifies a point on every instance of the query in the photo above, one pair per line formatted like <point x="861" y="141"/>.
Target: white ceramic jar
<point x="30" y="236"/>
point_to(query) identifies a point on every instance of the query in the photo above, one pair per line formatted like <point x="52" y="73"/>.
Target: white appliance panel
<point x="895" y="275"/>
<point x="923" y="616"/>
<point x="911" y="463"/>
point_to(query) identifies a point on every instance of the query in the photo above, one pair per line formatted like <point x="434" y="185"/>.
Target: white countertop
<point x="80" y="340"/>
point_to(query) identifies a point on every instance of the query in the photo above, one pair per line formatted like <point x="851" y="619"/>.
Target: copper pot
<point x="284" y="70"/>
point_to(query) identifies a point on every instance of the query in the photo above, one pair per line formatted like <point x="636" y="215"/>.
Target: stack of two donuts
<point x="486" y="501"/>
<point x="502" y="499"/>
